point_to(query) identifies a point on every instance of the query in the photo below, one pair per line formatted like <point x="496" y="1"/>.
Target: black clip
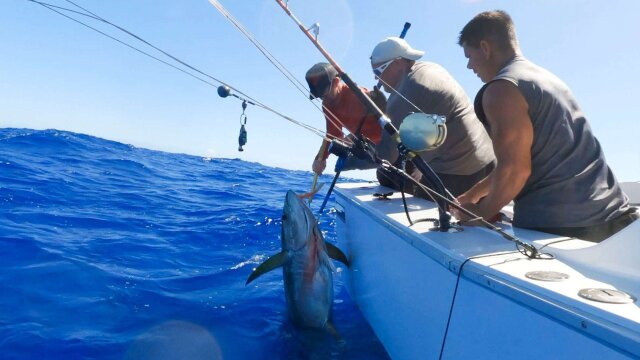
<point x="242" y="137"/>
<point x="384" y="196"/>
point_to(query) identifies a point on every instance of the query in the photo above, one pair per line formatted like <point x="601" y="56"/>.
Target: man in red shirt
<point x="341" y="108"/>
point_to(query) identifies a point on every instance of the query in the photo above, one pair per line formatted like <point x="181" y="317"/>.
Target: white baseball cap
<point x="392" y="48"/>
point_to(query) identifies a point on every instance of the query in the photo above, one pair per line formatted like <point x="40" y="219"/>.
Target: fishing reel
<point x="362" y="148"/>
<point x="423" y="132"/>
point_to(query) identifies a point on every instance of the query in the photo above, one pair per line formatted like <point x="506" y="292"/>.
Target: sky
<point x="56" y="73"/>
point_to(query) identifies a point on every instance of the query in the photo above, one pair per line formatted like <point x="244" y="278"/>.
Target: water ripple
<point x="107" y="247"/>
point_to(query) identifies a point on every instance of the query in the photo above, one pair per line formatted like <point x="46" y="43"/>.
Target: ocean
<point x="115" y="252"/>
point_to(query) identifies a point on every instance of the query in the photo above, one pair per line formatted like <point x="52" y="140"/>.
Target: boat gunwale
<point x="621" y="338"/>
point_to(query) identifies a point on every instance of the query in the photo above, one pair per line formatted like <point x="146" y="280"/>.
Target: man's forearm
<point x="506" y="183"/>
<point x="477" y="192"/>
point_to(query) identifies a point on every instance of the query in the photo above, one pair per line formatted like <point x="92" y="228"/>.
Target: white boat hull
<point x="408" y="284"/>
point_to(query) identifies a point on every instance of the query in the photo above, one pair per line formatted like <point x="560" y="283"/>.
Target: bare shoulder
<point x="503" y="99"/>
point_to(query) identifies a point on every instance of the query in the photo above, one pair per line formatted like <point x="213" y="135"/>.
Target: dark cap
<point x="319" y="78"/>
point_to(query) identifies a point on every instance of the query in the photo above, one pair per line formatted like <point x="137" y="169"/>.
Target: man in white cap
<point x="466" y="156"/>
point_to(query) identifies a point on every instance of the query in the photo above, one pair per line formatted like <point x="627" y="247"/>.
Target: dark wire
<point x="404" y="199"/>
<point x="455" y="292"/>
<point x="453" y="301"/>
<point x="435" y="222"/>
<point x="404" y="203"/>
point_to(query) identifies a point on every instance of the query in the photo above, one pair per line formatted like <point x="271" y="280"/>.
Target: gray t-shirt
<point x="570" y="184"/>
<point x="467" y="147"/>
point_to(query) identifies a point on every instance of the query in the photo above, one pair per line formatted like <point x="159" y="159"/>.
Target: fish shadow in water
<point x="311" y="343"/>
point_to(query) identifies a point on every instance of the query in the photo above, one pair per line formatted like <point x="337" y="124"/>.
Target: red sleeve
<point x="334" y="131"/>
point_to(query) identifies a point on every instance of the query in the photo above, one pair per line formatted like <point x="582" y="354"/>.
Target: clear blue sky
<point x="58" y="74"/>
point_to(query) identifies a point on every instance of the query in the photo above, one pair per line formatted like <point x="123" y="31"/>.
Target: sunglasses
<point x="380" y="69"/>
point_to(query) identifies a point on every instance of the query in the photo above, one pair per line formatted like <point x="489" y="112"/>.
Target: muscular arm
<point x="512" y="136"/>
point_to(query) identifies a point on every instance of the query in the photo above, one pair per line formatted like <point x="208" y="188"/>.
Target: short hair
<point x="495" y="26"/>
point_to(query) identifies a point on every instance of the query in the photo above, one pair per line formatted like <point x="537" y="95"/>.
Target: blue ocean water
<point x="110" y="251"/>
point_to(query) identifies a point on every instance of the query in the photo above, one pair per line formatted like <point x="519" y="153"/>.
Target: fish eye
<point x="284" y="217"/>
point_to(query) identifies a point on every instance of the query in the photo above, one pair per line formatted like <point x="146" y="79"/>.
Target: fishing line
<point x="52" y="8"/>
<point x="83" y="9"/>
<point x="455" y="293"/>
<point x="66" y="9"/>
<point x="89" y="14"/>
<point x="399" y="94"/>
<point x="95" y="16"/>
<point x="525" y="249"/>
<point x="334" y="120"/>
<point x="453" y="301"/>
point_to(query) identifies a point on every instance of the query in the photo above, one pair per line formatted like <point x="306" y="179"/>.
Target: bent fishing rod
<point x="377" y="86"/>
<point x="384" y="121"/>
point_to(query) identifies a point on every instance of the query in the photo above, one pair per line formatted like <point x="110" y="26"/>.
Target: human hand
<point x="464" y="218"/>
<point x="475" y="209"/>
<point x="468" y="198"/>
<point x="318" y="166"/>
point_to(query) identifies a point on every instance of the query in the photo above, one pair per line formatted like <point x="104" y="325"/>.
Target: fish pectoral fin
<point x="336" y="254"/>
<point x="271" y="263"/>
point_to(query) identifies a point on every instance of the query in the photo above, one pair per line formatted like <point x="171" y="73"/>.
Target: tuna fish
<point x="307" y="269"/>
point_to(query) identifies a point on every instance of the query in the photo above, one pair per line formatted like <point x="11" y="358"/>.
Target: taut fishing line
<point x="273" y="60"/>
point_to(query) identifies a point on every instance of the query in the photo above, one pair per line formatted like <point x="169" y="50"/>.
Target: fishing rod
<point x="385" y="123"/>
<point x="330" y="116"/>
<point x="339" y="166"/>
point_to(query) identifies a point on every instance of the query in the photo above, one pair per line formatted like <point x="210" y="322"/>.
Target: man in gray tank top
<point x="466" y="156"/>
<point x="549" y="162"/>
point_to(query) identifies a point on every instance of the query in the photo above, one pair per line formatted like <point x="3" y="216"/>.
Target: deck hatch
<point x="609" y="296"/>
<point x="547" y="275"/>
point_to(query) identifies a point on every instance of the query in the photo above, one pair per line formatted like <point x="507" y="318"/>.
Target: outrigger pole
<point x="385" y="123"/>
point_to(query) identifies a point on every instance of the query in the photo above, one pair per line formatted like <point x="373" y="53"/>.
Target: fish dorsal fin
<point x="271" y="263"/>
<point x="336" y="254"/>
